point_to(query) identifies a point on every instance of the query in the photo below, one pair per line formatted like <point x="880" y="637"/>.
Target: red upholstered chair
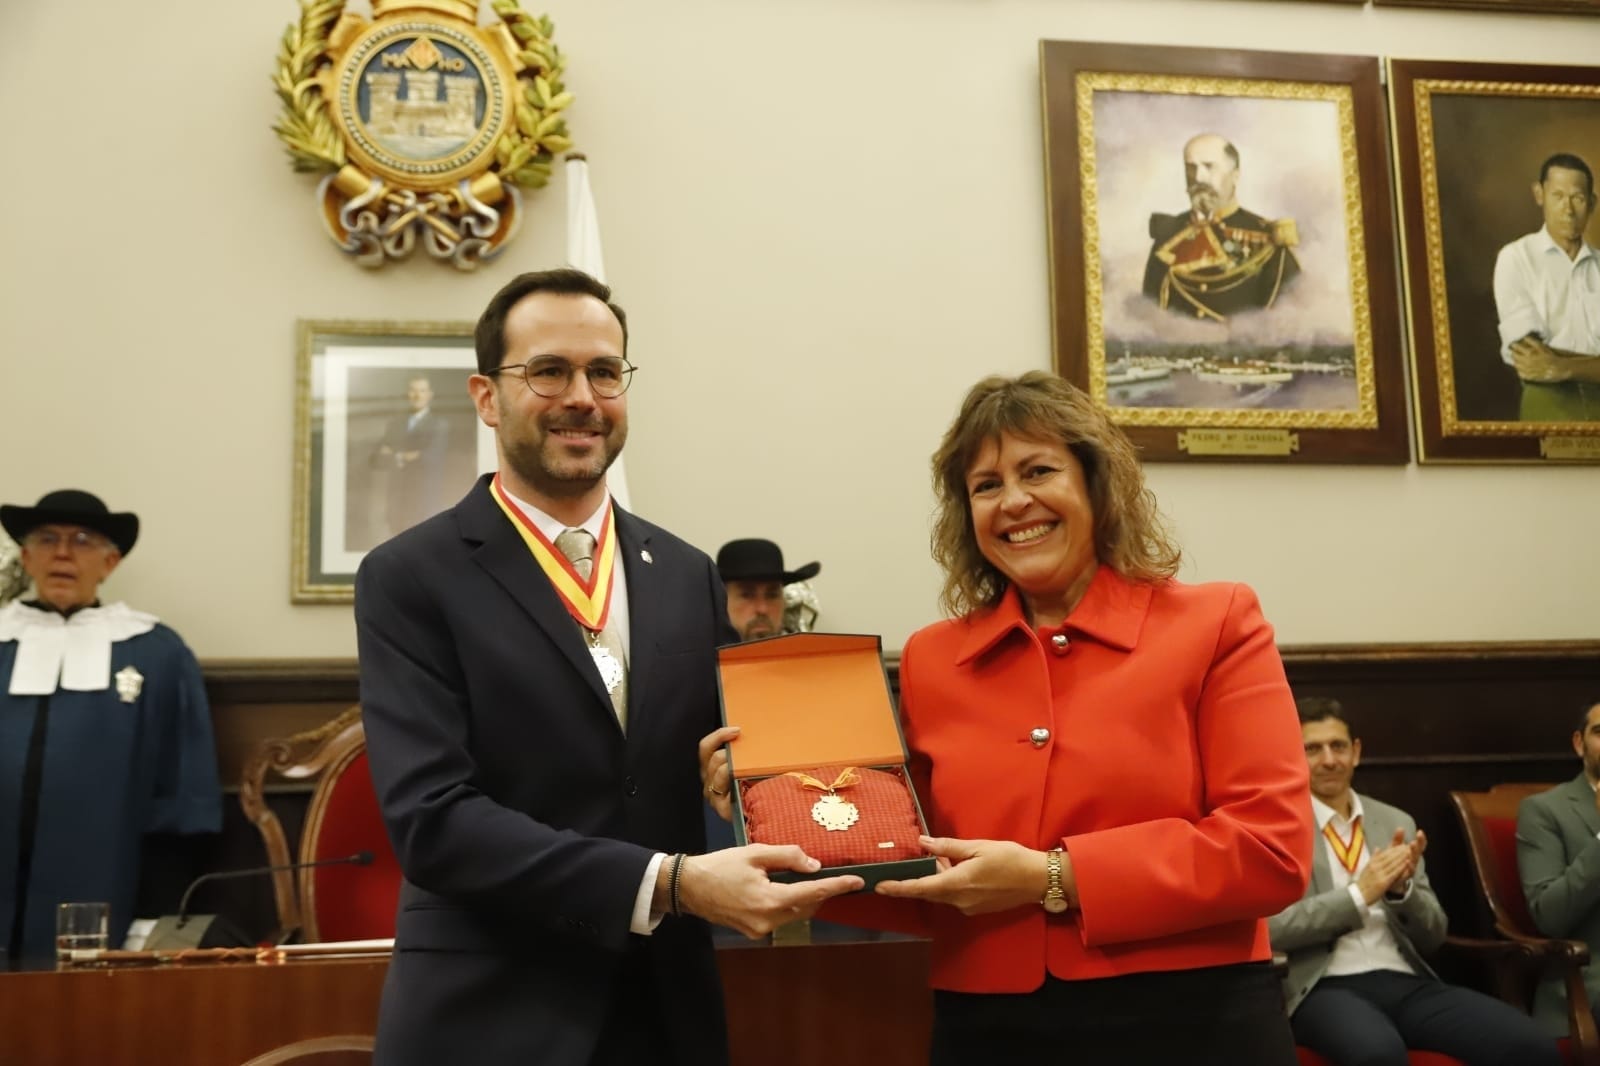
<point x="1414" y="1058"/>
<point x="1489" y="820"/>
<point x="330" y="902"/>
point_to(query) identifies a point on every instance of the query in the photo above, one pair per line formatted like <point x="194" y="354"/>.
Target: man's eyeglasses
<point x="49" y="540"/>
<point x="551" y="376"/>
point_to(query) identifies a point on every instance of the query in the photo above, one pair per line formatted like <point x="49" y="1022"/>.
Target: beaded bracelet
<point x="673" y="896"/>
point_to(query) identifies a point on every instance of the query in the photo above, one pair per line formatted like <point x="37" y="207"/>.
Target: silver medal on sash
<point x="611" y="672"/>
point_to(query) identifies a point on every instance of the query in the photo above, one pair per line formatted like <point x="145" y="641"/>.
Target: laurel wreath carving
<point x="524" y="155"/>
<point x="305" y="127"/>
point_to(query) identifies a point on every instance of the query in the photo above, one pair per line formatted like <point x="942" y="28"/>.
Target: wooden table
<point x="844" y="1004"/>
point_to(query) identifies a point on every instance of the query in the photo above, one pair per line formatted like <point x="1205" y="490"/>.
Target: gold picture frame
<point x="369" y="461"/>
<point x="1462" y="210"/>
<point x="1290" y="350"/>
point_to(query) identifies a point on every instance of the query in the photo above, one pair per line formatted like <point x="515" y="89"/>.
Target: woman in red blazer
<point x="1110" y="759"/>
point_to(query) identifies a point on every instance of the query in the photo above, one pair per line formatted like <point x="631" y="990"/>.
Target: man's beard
<point x="1204" y="199"/>
<point x="761" y="626"/>
<point x="537" y="460"/>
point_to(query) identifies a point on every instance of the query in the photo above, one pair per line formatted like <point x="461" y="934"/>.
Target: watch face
<point x="1056" y="904"/>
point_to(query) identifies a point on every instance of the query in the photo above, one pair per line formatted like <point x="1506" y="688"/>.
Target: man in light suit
<point x="1558" y="855"/>
<point x="1359" y="989"/>
<point x="538" y="685"/>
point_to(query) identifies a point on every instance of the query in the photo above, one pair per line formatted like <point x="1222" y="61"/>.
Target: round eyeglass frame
<point x="572" y="373"/>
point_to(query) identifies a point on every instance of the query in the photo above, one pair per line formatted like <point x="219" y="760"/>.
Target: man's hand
<point x="1538" y="362"/>
<point x="982" y="876"/>
<point x="731" y="887"/>
<point x="716" y="778"/>
<point x="1389" y="871"/>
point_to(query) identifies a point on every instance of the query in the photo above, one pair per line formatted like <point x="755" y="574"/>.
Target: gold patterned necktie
<point x="605" y="646"/>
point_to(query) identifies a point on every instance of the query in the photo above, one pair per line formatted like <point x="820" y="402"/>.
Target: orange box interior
<point x="808" y="700"/>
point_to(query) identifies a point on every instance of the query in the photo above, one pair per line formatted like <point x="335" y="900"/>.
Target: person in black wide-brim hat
<point x="753" y="570"/>
<point x="65" y="581"/>
<point x="100" y="700"/>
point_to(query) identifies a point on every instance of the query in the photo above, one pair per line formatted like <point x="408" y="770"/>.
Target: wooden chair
<point x="330" y="902"/>
<point x="1489" y="821"/>
<point x="320" y="1051"/>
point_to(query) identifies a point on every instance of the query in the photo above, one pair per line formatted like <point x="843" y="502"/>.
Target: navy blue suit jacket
<point x="523" y="818"/>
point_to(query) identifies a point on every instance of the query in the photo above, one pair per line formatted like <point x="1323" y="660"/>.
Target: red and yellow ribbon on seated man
<point x="423" y="123"/>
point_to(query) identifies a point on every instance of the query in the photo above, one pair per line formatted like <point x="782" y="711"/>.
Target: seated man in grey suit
<point x="1558" y="854"/>
<point x="1358" y="988"/>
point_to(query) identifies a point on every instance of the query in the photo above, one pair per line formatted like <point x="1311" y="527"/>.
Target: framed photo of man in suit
<point x="1221" y="250"/>
<point x="1496" y="166"/>
<point x="385" y="436"/>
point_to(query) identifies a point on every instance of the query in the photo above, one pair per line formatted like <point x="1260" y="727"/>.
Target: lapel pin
<point x="645" y="555"/>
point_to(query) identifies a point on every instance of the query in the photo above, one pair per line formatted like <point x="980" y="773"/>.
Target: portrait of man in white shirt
<point x="1547" y="298"/>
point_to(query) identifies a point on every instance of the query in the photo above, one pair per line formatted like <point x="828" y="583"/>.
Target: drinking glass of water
<point x="81" y="927"/>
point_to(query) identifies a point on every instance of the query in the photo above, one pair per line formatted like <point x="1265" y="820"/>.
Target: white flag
<point x="583" y="252"/>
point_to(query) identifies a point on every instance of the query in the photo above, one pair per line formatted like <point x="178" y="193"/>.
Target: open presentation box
<point x="808" y="702"/>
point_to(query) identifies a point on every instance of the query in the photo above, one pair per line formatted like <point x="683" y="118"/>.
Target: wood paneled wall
<point x="1432" y="717"/>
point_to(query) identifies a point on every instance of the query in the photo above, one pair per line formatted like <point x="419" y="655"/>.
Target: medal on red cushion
<point x="833" y="812"/>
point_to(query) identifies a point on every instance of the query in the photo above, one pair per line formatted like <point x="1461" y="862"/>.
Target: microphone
<point x="185" y="930"/>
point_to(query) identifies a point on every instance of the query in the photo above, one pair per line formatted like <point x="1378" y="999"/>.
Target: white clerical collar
<point x="71" y="653"/>
<point x="553" y="527"/>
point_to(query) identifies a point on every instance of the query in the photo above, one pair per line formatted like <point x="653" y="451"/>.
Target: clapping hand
<point x="1389" y="871"/>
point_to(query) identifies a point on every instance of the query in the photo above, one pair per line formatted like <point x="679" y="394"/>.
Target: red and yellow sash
<point x="1348" y="854"/>
<point x="588" y="601"/>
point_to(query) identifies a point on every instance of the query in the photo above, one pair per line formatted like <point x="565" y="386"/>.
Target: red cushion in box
<point x="777" y="810"/>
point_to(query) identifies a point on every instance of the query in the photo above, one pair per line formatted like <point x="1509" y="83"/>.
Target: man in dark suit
<point x="413" y="452"/>
<point x="1359" y="990"/>
<point x="1217" y="259"/>
<point x="1558" y="855"/>
<point x="539" y="692"/>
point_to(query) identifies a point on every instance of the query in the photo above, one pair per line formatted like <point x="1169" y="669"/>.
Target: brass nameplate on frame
<point x="1581" y="449"/>
<point x="424" y="124"/>
<point x="1238" y="442"/>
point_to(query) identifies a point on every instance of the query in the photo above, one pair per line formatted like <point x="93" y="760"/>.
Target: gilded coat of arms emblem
<point x="425" y="125"/>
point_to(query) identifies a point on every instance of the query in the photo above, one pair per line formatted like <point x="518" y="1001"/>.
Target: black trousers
<point x="1370" y="1019"/>
<point x="1216" y="1016"/>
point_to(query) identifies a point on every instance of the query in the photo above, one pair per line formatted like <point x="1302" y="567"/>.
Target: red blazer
<point x="1174" y="776"/>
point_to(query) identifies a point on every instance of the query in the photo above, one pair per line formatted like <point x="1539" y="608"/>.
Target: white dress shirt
<point x="1538" y="289"/>
<point x="643" y="922"/>
<point x="1371" y="946"/>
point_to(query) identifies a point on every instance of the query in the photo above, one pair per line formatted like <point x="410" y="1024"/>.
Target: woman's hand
<point x="981" y="876"/>
<point x="716" y="779"/>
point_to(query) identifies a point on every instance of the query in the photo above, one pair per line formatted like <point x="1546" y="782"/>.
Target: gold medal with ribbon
<point x="588" y="600"/>
<point x="833" y="812"/>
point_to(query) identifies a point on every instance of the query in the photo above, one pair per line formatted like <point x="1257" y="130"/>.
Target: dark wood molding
<point x="1432" y="717"/>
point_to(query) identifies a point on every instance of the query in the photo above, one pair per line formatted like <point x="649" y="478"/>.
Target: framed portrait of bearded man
<point x="1496" y="166"/>
<point x="1222" y="250"/>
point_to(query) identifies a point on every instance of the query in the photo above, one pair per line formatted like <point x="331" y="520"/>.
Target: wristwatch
<point x="1055" y="896"/>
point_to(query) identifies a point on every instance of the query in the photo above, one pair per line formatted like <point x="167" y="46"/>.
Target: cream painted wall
<point x="826" y="220"/>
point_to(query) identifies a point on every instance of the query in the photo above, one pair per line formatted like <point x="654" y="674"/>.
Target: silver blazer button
<point x="1040" y="737"/>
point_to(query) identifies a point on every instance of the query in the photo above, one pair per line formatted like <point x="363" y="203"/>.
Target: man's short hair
<point x="1320" y="709"/>
<point x="1568" y="161"/>
<point x="490" y="337"/>
<point x="1583" y="714"/>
